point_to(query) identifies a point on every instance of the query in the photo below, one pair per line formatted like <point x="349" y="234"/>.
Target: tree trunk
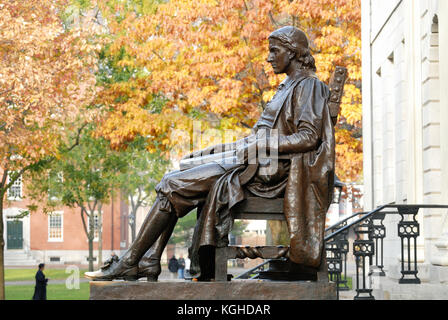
<point x="277" y="233"/>
<point x="134" y="224"/>
<point x="100" y="236"/>
<point x="3" y="188"/>
<point x="91" y="236"/>
<point x="89" y="231"/>
<point x="2" y="247"/>
<point x="90" y="254"/>
<point x="133" y="217"/>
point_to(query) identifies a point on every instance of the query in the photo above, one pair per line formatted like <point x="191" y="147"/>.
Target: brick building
<point x="58" y="237"/>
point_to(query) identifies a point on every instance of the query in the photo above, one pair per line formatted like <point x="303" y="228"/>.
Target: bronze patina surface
<point x="298" y="117"/>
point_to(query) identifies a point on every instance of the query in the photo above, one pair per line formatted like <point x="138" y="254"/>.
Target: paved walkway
<point x="32" y="282"/>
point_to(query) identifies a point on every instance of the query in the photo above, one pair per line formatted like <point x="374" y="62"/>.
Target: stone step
<point x="20" y="263"/>
<point x="19" y="258"/>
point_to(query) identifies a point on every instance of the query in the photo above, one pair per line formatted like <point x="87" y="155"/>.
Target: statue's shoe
<point x="149" y="268"/>
<point x="114" y="270"/>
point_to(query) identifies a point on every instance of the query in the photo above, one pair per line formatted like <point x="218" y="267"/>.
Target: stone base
<point x="385" y="288"/>
<point x="233" y="290"/>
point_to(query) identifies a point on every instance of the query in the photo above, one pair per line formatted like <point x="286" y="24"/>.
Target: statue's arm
<point x="306" y="139"/>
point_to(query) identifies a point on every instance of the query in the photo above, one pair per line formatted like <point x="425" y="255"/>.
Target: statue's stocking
<point x="149" y="264"/>
<point x="155" y="223"/>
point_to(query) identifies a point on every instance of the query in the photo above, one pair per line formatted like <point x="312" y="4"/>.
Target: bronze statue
<point x="303" y="175"/>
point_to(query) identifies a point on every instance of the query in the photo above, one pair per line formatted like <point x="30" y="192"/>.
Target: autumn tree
<point x="83" y="177"/>
<point x="144" y="169"/>
<point x="207" y="61"/>
<point x="140" y="176"/>
<point x="46" y="78"/>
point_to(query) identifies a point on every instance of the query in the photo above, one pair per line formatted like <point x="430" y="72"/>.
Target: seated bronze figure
<point x="303" y="176"/>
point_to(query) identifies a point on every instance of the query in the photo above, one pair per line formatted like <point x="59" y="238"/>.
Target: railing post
<point x="340" y="241"/>
<point x="408" y="230"/>
<point x="344" y="248"/>
<point x="378" y="233"/>
<point x="334" y="263"/>
<point x="362" y="249"/>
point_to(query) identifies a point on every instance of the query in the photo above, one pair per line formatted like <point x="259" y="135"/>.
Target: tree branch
<point x="83" y="210"/>
<point x="2" y="189"/>
<point x="13" y="84"/>
<point x="78" y="136"/>
<point x="272" y="19"/>
<point x="153" y="51"/>
<point x="132" y="202"/>
<point x="42" y="162"/>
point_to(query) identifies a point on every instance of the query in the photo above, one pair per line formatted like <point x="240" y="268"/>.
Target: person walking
<point x="180" y="271"/>
<point x="40" y="290"/>
<point x="187" y="268"/>
<point x="173" y="266"/>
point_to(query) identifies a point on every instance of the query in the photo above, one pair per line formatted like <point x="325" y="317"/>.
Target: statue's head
<point x="287" y="44"/>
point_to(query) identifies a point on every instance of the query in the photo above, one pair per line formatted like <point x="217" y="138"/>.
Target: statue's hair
<point x="295" y="40"/>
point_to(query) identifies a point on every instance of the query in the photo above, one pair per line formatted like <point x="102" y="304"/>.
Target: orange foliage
<point x="208" y="59"/>
<point x="46" y="76"/>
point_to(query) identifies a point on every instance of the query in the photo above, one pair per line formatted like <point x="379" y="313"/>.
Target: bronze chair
<point x="255" y="208"/>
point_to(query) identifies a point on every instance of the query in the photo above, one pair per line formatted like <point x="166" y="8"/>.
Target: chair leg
<point x="221" y="264"/>
<point x="322" y="273"/>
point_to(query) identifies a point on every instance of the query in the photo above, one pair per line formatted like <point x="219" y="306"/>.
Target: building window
<point x="56" y="226"/>
<point x="96" y="223"/>
<point x="15" y="191"/>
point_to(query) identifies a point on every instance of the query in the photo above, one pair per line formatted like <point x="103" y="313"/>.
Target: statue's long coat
<point x="306" y="133"/>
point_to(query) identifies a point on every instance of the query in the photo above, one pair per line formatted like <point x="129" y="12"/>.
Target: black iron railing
<point x="368" y="247"/>
<point x="337" y="251"/>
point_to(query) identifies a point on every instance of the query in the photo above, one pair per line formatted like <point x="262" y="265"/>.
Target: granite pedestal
<point x="232" y="290"/>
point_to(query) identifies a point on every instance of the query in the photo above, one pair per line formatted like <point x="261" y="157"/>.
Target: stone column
<point x="367" y="106"/>
<point x="413" y="75"/>
<point x="441" y="256"/>
<point x="413" y="61"/>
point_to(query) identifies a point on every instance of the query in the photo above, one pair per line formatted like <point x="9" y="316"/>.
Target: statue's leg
<point x="149" y="265"/>
<point x="155" y="223"/>
<point x="177" y="194"/>
<point x="127" y="267"/>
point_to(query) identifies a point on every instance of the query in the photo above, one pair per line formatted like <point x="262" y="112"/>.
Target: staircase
<point x="368" y="250"/>
<point x="19" y="258"/>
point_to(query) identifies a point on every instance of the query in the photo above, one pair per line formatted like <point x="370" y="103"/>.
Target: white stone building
<point x="405" y="127"/>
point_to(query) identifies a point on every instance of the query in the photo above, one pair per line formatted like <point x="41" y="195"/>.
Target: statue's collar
<point x="295" y="77"/>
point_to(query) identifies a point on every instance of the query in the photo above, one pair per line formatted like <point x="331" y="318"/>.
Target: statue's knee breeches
<point x="182" y="191"/>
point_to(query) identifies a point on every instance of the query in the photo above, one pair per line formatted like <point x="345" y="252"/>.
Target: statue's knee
<point x="163" y="186"/>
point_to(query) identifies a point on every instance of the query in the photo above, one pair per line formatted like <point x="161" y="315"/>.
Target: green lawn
<point x="349" y="283"/>
<point x="54" y="292"/>
<point x="28" y="274"/>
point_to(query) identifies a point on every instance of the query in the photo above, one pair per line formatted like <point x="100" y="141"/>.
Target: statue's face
<point x="279" y="56"/>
